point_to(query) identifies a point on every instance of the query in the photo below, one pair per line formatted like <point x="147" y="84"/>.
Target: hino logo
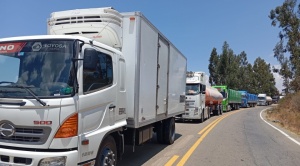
<point x="7" y="129"/>
<point x="7" y="47"/>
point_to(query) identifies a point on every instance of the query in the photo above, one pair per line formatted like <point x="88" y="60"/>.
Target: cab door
<point x="97" y="102"/>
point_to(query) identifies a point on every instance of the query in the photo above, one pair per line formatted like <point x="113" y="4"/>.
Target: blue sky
<point x="195" y="27"/>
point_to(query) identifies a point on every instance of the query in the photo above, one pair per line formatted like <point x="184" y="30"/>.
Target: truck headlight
<point x="53" y="161"/>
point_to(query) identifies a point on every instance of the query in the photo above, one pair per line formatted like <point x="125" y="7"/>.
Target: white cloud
<point x="207" y="80"/>
<point x="279" y="81"/>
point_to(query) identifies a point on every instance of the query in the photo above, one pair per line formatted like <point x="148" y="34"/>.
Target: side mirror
<point x="90" y="59"/>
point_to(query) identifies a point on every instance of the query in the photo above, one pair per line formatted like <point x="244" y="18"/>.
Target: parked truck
<point x="213" y="100"/>
<point x="262" y="99"/>
<point x="195" y="97"/>
<point x="248" y="99"/>
<point x="232" y="99"/>
<point x="77" y="100"/>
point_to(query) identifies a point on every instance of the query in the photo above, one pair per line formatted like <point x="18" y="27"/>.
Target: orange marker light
<point x="85" y="142"/>
<point x="69" y="128"/>
<point x="132" y="18"/>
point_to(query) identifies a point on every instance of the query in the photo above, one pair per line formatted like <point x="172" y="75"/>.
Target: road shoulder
<point x="280" y="128"/>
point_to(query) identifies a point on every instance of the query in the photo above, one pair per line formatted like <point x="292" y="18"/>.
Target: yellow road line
<point x="202" y="131"/>
<point x="196" y="144"/>
<point x="172" y="160"/>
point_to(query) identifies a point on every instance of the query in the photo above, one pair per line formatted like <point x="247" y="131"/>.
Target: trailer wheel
<point x="169" y="131"/>
<point x="208" y="112"/>
<point x="107" y="154"/>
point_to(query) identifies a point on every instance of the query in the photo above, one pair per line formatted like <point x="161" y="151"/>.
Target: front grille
<point x="27" y="135"/>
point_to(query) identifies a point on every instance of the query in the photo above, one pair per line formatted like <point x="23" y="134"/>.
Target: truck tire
<point x="217" y="111"/>
<point x="169" y="131"/>
<point x="107" y="154"/>
<point x="208" y="112"/>
<point x="220" y="109"/>
<point x="202" y="117"/>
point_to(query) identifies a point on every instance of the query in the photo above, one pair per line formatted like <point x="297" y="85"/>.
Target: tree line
<point x="234" y="70"/>
<point x="287" y="50"/>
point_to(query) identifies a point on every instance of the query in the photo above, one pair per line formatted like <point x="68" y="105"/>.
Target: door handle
<point x="112" y="106"/>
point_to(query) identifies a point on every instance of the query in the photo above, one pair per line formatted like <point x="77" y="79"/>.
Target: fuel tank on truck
<point x="212" y="96"/>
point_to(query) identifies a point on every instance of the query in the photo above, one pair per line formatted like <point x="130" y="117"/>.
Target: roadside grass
<point x="287" y="113"/>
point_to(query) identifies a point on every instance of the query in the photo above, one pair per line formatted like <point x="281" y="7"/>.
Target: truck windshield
<point x="192" y="89"/>
<point x="261" y="98"/>
<point x="43" y="66"/>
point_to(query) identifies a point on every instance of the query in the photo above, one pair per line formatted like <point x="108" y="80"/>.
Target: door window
<point x="98" y="76"/>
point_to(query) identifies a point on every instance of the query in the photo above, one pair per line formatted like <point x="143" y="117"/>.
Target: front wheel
<point x="107" y="154"/>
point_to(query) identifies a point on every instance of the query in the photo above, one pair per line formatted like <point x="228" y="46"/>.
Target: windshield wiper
<point x="6" y="82"/>
<point x="27" y="88"/>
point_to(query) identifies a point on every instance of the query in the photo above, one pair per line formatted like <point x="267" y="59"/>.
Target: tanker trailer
<point x="213" y="100"/>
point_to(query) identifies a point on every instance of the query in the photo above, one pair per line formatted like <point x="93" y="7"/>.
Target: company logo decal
<point x="7" y="129"/>
<point x="36" y="46"/>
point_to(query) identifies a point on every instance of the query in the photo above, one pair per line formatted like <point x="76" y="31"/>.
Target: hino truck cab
<point x="56" y="92"/>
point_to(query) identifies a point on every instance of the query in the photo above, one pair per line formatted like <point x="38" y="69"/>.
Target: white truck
<point x="195" y="97"/>
<point x="99" y="80"/>
<point x="262" y="99"/>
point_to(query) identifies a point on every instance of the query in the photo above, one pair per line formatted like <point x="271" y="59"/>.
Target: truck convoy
<point x="248" y="99"/>
<point x="231" y="98"/>
<point x="77" y="100"/>
<point x="213" y="100"/>
<point x="195" y="97"/>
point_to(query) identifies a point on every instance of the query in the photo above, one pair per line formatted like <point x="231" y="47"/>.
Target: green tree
<point x="243" y="72"/>
<point x="251" y="83"/>
<point x="228" y="65"/>
<point x="287" y="50"/>
<point x="265" y="80"/>
<point x="224" y="64"/>
<point x="213" y="67"/>
<point x="232" y="77"/>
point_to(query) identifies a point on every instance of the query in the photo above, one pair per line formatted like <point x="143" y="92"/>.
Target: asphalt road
<point x="236" y="138"/>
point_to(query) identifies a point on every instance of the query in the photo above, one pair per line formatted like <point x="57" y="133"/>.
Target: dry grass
<point x="287" y="113"/>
